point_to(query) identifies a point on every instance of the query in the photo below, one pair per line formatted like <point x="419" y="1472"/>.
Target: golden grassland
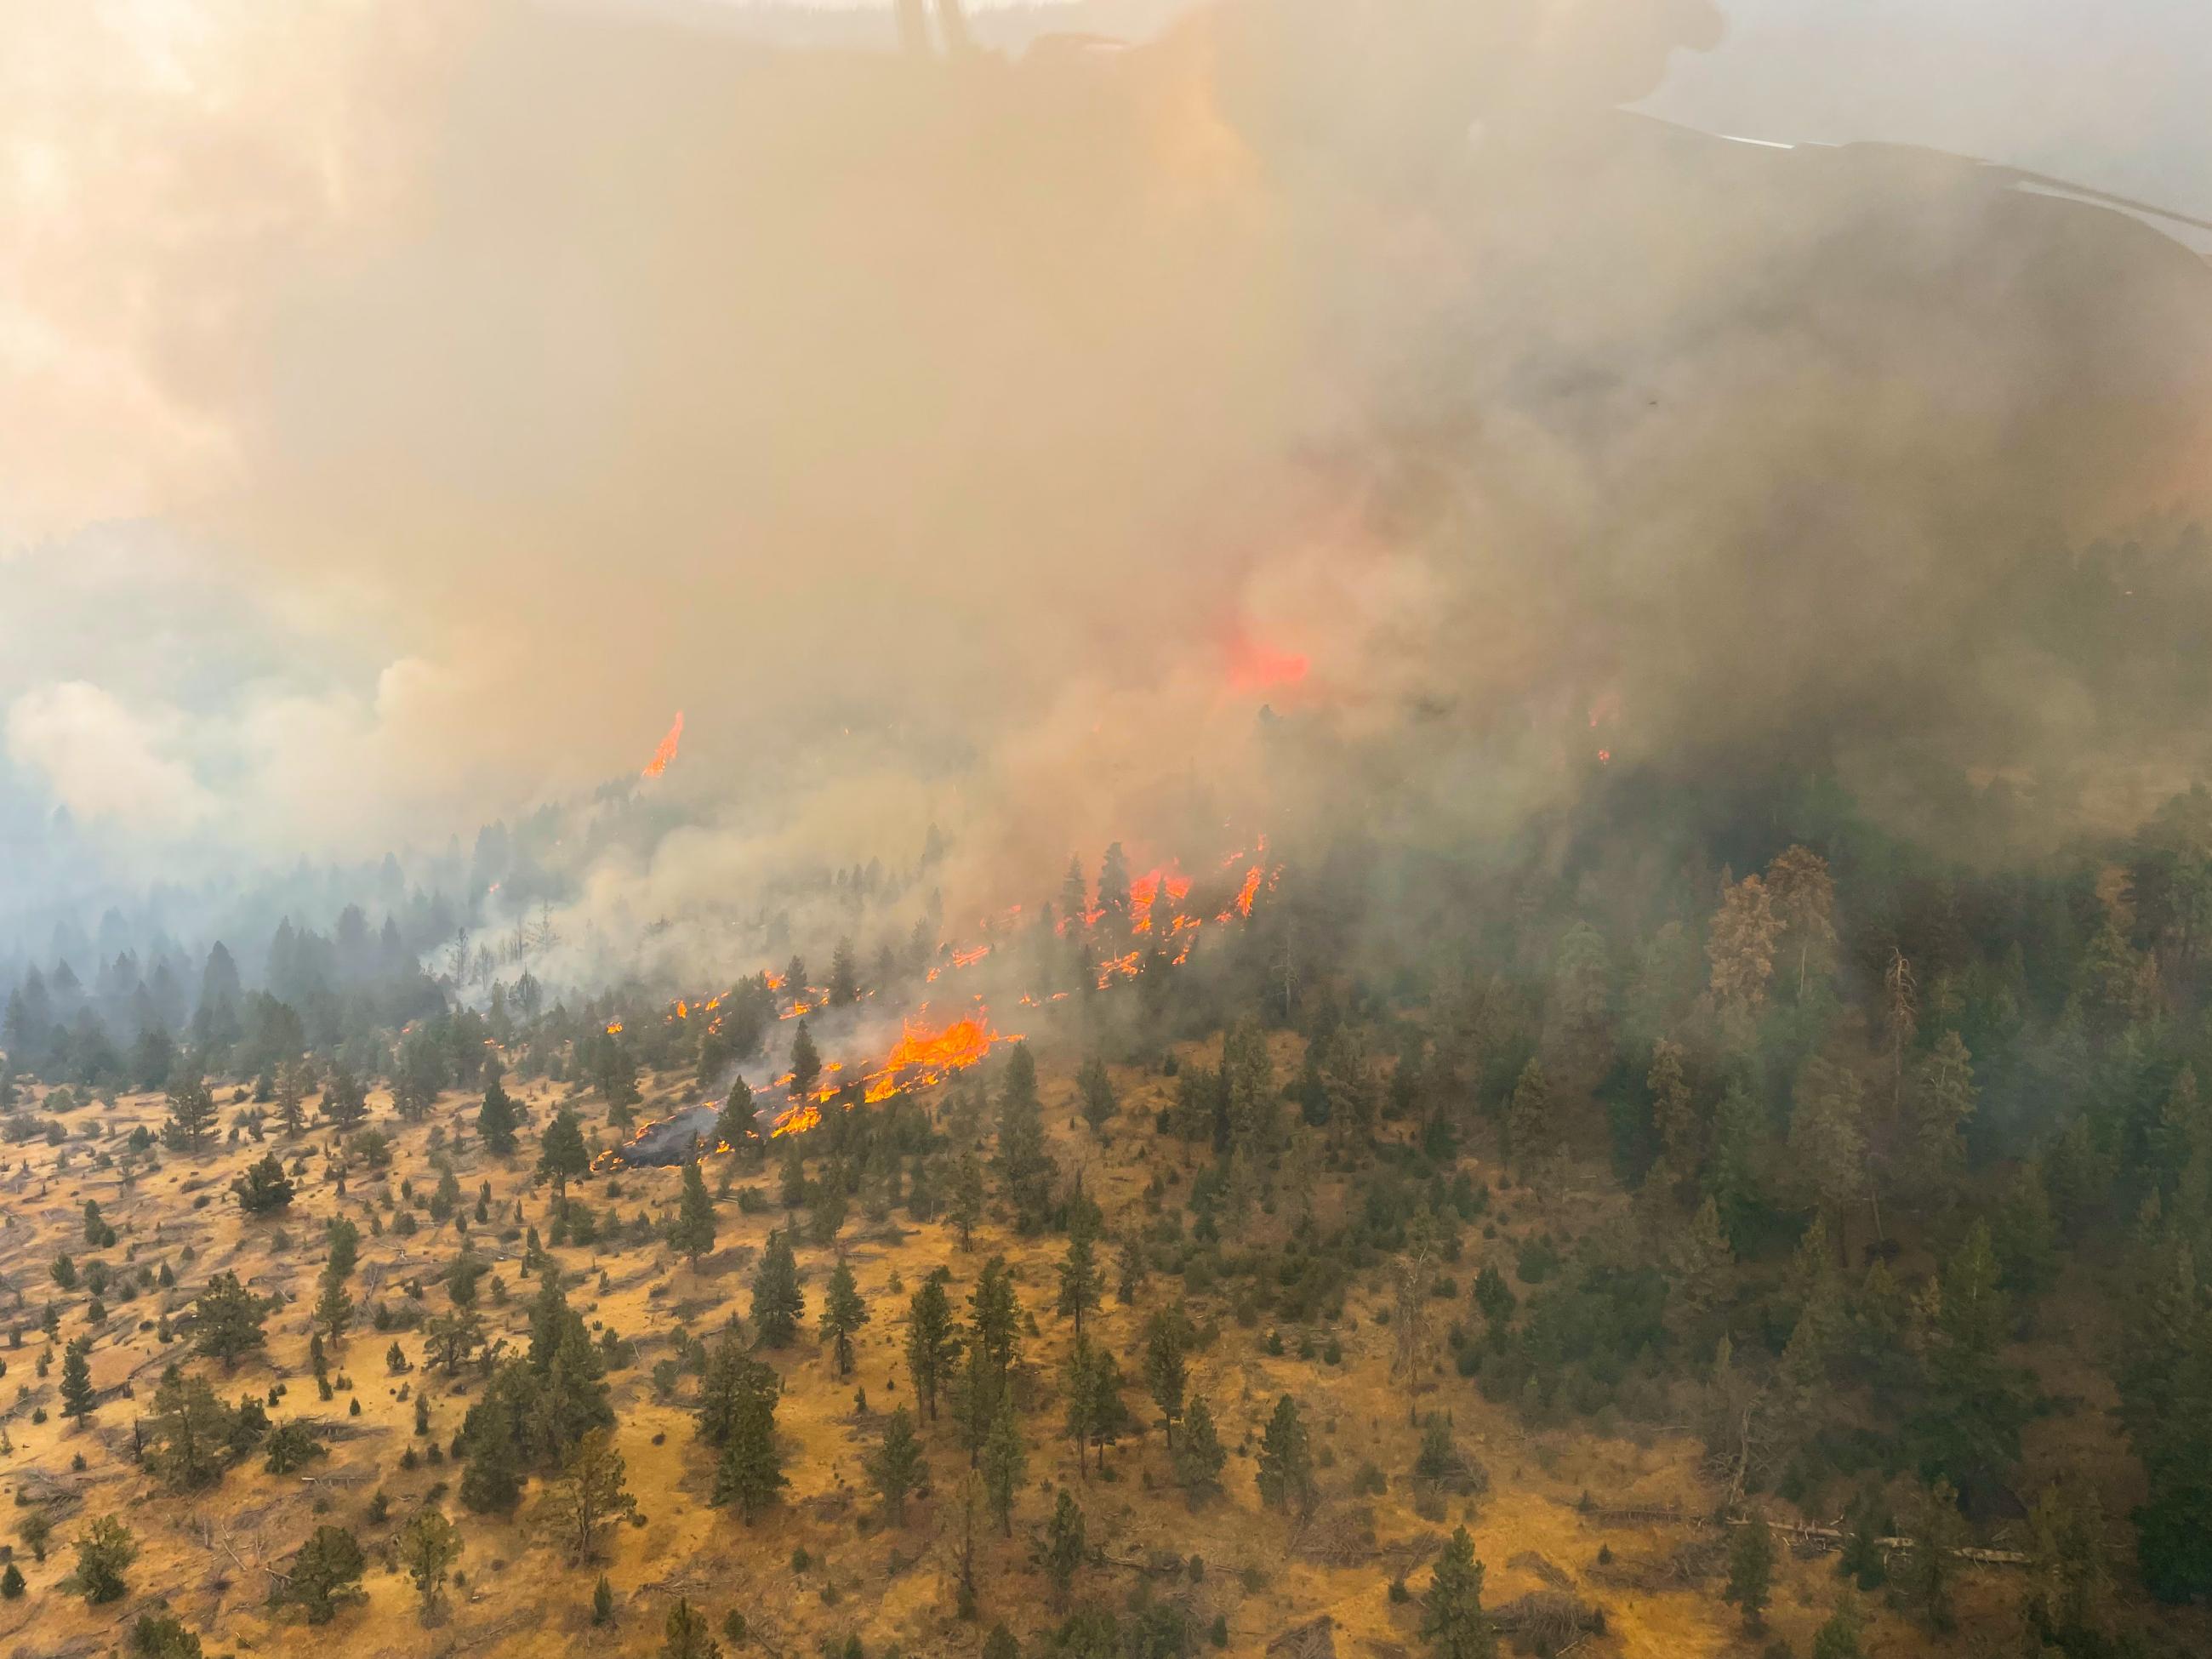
<point x="209" y="1556"/>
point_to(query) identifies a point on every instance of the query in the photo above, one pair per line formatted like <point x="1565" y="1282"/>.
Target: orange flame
<point x="667" y="752"/>
<point x="922" y="1057"/>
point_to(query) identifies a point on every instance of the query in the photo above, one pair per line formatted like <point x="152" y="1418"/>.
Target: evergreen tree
<point x="1168" y="1337"/>
<point x="79" y="1400"/>
<point x="843" y="1313"/>
<point x="1529" y="1128"/>
<point x="1060" y="1551"/>
<point x="844" y="977"/>
<point x="750" y="1472"/>
<point x="898" y="1465"/>
<point x="1198" y="1456"/>
<point x="965" y="1212"/>
<point x="1453" y="1623"/>
<point x="429" y="1545"/>
<point x="192" y="1113"/>
<point x="1285" y="1472"/>
<point x="591" y="1492"/>
<point x="562" y="1155"/>
<point x="686" y="1636"/>
<point x="326" y="1574"/>
<point x="190" y="1433"/>
<point x="1096" y="1090"/>
<point x="737" y="1126"/>
<point x="492" y="1439"/>
<point x="1003" y="1463"/>
<point x="1079" y="1286"/>
<point x="1751" y="1570"/>
<point x="105" y="1551"/>
<point x="264" y="1189"/>
<point x="933" y="1345"/>
<point x="497" y="1119"/>
<point x="1026" y="1172"/>
<point x="692" y="1232"/>
<point x="778" y="1302"/>
<point x="806" y="1063"/>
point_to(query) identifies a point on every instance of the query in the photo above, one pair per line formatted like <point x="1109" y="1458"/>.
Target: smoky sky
<point x="947" y="438"/>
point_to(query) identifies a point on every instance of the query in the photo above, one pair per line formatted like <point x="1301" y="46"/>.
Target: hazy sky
<point x="2110" y="94"/>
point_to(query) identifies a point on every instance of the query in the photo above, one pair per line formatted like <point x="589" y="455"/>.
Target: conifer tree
<point x="932" y="1346"/>
<point x="1198" y="1455"/>
<point x="1751" y="1570"/>
<point x="1285" y="1471"/>
<point x="1004" y="1462"/>
<point x="778" y="1303"/>
<point x="692" y="1232"/>
<point x="843" y="1313"/>
<point x="898" y="1465"/>
<point x="1453" y="1623"/>
<point x="496" y="1118"/>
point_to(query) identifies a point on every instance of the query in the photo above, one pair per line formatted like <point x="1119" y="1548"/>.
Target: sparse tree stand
<point x="1751" y="1570"/>
<point x="1454" y="1624"/>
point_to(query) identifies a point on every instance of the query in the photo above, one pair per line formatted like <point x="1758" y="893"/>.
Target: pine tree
<point x="1673" y="1113"/>
<point x="1061" y="1550"/>
<point x="778" y="1303"/>
<point x="190" y="1433"/>
<point x="192" y="1113"/>
<point x="1929" y="1566"/>
<point x="843" y="1313"/>
<point x="491" y="1441"/>
<point x="737" y="1128"/>
<point x="932" y="1346"/>
<point x="1751" y="1570"/>
<point x="326" y="1574"/>
<point x="1079" y="1286"/>
<point x="1454" y="1624"/>
<point x="806" y="1063"/>
<point x="750" y="1473"/>
<point x="264" y="1189"/>
<point x="1096" y="1090"/>
<point x="1285" y="1471"/>
<point x="333" y="1307"/>
<point x="591" y="1492"/>
<point x="1198" y="1456"/>
<point x="898" y="1465"/>
<point x="429" y="1545"/>
<point x="105" y="1551"/>
<point x="1026" y="1172"/>
<point x="966" y="1209"/>
<point x="686" y="1635"/>
<point x="1167" y="1345"/>
<point x="562" y="1155"/>
<point x="844" y="977"/>
<point x="602" y="1601"/>
<point x="692" y="1232"/>
<point x="1004" y="1462"/>
<point x="79" y="1400"/>
<point x="1529" y="1128"/>
<point x="496" y="1118"/>
<point x="1942" y="1101"/>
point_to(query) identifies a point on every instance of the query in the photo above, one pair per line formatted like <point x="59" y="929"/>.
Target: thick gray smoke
<point x="986" y="440"/>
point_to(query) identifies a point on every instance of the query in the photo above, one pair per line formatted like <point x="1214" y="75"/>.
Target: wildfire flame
<point x="922" y="1057"/>
<point x="667" y="752"/>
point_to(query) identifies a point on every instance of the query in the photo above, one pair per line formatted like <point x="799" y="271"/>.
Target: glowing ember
<point x="667" y="752"/>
